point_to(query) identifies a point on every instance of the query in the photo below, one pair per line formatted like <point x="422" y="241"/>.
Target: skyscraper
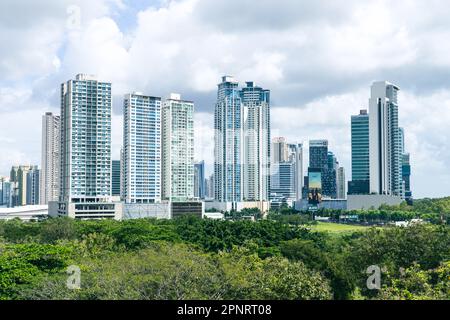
<point x="23" y="186"/>
<point x="178" y="149"/>
<point x="85" y="186"/>
<point x="318" y="154"/>
<point x="50" y="158"/>
<point x="360" y="154"/>
<point x="115" y="176"/>
<point x="228" y="136"/>
<point x="384" y="140"/>
<point x="318" y="162"/>
<point x="33" y="186"/>
<point x="295" y="155"/>
<point x="256" y="147"/>
<point x="242" y="142"/>
<point x="280" y="151"/>
<point x="329" y="177"/>
<point x="199" y="180"/>
<point x="142" y="149"/>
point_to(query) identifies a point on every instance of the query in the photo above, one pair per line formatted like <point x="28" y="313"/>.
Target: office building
<point x="85" y="185"/>
<point x="360" y="154"/>
<point x="177" y="149"/>
<point x="286" y="182"/>
<point x="50" y="158"/>
<point x="142" y="149"/>
<point x="384" y="140"/>
<point x="199" y="180"/>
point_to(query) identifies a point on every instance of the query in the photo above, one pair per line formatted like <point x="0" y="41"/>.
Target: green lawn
<point x="336" y="228"/>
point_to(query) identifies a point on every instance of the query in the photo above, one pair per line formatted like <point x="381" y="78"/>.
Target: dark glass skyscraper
<point x="360" y="154"/>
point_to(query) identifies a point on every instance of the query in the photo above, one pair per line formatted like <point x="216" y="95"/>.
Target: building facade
<point x="384" y="140"/>
<point x="177" y="149"/>
<point x="50" y="158"/>
<point x="341" y="184"/>
<point x="228" y="137"/>
<point x="85" y="185"/>
<point x="256" y="146"/>
<point x="115" y="176"/>
<point x="199" y="180"/>
<point x="360" y="154"/>
<point x="142" y="149"/>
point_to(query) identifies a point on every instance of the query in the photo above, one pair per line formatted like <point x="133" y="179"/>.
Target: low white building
<point x="25" y="213"/>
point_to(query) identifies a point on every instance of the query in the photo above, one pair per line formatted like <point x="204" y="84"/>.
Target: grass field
<point x="336" y="228"/>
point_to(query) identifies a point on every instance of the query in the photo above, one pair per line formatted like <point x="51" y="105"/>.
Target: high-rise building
<point x="360" y="154"/>
<point x="115" y="176"/>
<point x="280" y="150"/>
<point x="6" y="192"/>
<point x="318" y="160"/>
<point x="318" y="154"/>
<point x="85" y="186"/>
<point x="341" y="193"/>
<point x="286" y="180"/>
<point x="33" y="186"/>
<point x="142" y="149"/>
<point x="19" y="175"/>
<point x="50" y="158"/>
<point x="384" y="140"/>
<point x="177" y="149"/>
<point x="228" y="159"/>
<point x="256" y="147"/>
<point x="242" y="142"/>
<point x="295" y="151"/>
<point x="199" y="180"/>
<point x="210" y="187"/>
<point x="329" y="177"/>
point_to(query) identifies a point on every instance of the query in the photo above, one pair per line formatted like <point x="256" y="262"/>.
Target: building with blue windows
<point x="115" y="184"/>
<point x="199" y="180"/>
<point x="228" y="136"/>
<point x="360" y="154"/>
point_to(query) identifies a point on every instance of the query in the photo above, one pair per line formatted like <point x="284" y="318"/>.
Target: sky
<point x="318" y="58"/>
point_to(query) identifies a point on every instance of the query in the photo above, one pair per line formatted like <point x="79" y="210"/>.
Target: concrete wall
<point x="365" y="202"/>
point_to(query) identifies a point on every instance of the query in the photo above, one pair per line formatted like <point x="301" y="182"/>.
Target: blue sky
<point x="318" y="58"/>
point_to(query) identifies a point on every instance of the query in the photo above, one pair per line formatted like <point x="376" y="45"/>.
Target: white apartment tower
<point x="257" y="142"/>
<point x="50" y="157"/>
<point x="177" y="149"/>
<point x="384" y="140"/>
<point x="85" y="186"/>
<point x="141" y="178"/>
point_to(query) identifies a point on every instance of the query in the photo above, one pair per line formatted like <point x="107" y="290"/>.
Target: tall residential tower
<point x="50" y="158"/>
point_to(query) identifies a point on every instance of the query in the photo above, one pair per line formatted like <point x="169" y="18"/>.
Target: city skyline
<point x="307" y="102"/>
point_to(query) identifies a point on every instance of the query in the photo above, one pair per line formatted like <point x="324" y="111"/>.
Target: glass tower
<point x="228" y="127"/>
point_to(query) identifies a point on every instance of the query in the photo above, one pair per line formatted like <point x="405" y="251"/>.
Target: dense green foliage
<point x="190" y="258"/>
